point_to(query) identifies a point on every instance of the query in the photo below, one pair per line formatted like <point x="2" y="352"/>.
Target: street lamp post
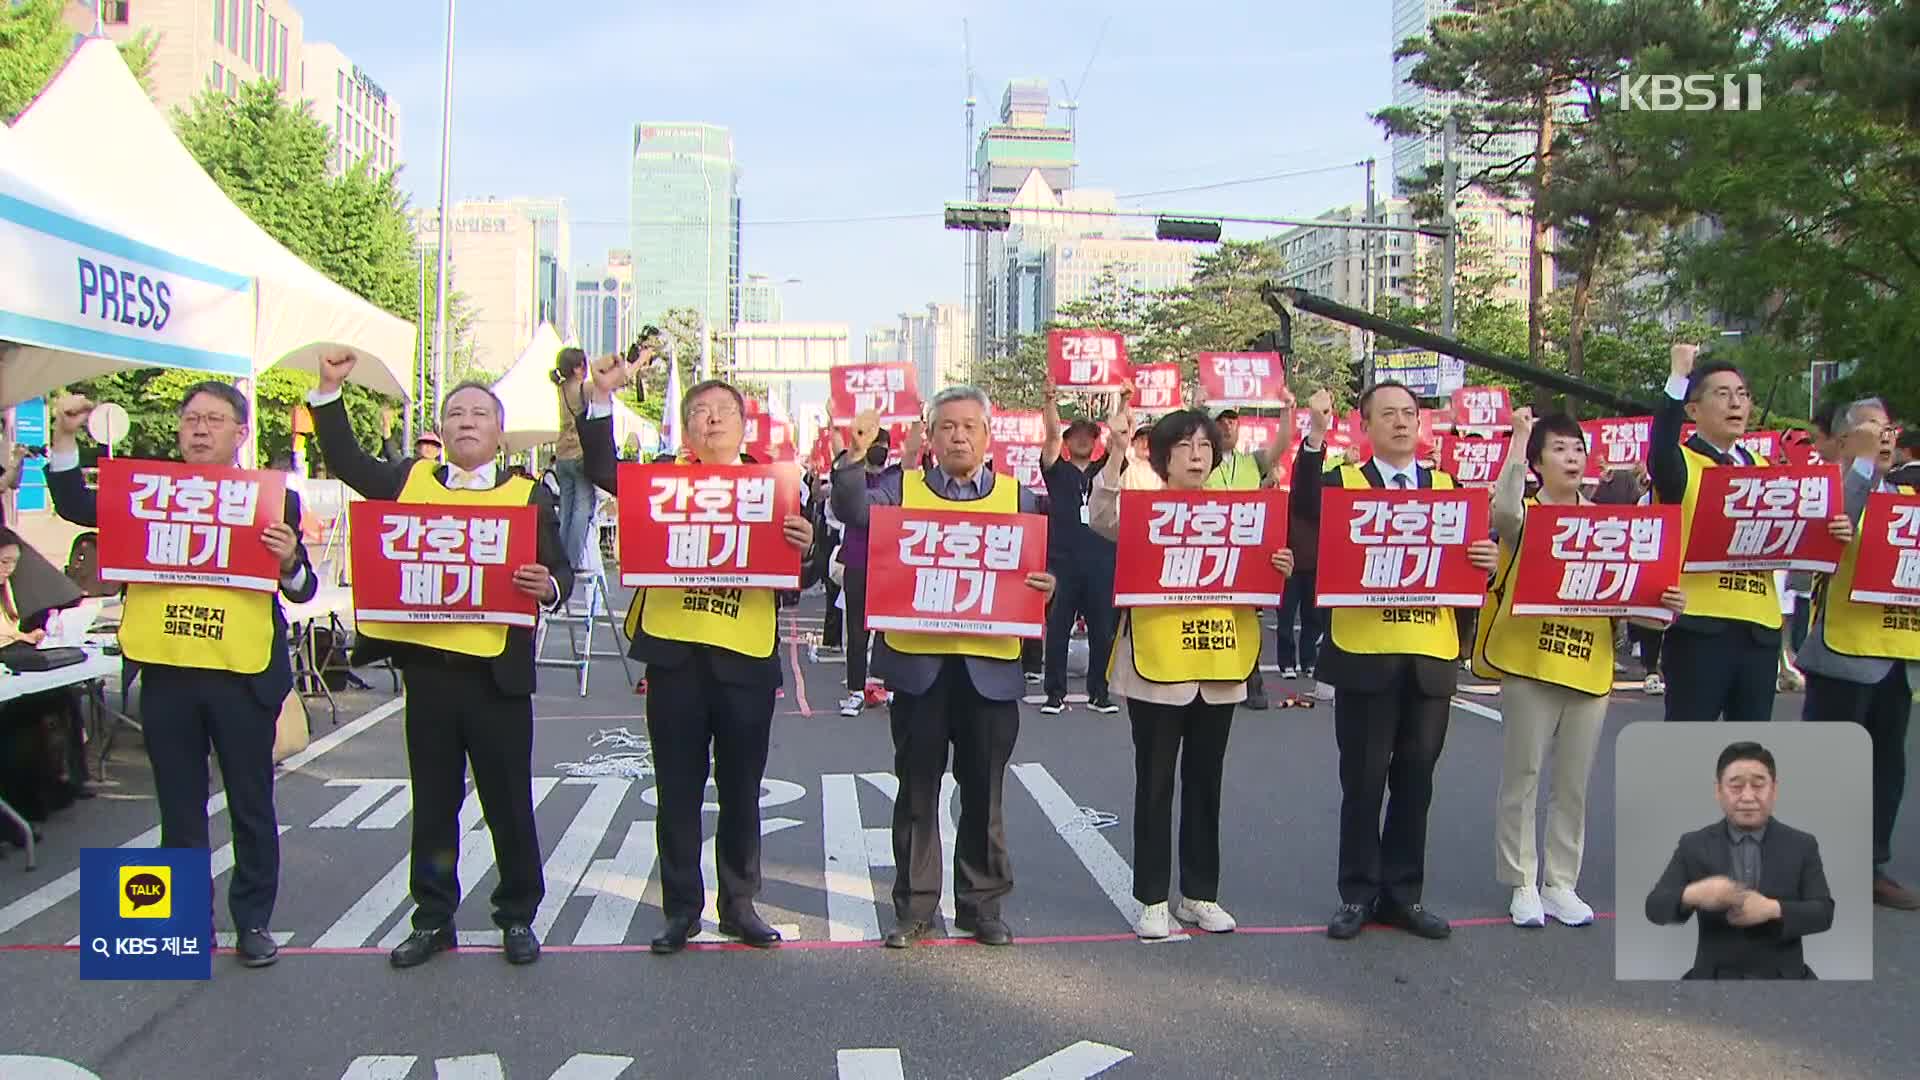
<point x="440" y="279"/>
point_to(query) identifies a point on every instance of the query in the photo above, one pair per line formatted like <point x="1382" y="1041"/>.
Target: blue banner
<point x="146" y="913"/>
<point x="30" y="429"/>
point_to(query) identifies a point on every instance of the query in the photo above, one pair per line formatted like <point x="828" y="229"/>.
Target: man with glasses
<point x="196" y="691"/>
<point x="1721" y="658"/>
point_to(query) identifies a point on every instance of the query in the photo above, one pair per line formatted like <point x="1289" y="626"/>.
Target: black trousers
<point x="1194" y="736"/>
<point x="833" y="628"/>
<point x="689" y="711"/>
<point x="1032" y="656"/>
<point x="1885" y="710"/>
<point x="457" y="716"/>
<point x="1648" y="641"/>
<point x="182" y="713"/>
<point x="1389" y="742"/>
<point x="858" y="640"/>
<point x="1298" y="602"/>
<point x="982" y="735"/>
<point x="1727" y="675"/>
<point x="1084" y="588"/>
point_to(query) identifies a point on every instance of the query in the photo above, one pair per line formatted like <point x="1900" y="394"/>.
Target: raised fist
<point x="334" y="369"/>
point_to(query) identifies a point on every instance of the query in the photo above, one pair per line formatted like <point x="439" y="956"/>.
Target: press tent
<point x="81" y="295"/>
<point x="527" y="393"/>
<point x="96" y="137"/>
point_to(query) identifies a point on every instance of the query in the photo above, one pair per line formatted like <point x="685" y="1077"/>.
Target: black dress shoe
<point x="257" y="948"/>
<point x="1347" y="922"/>
<point x="903" y="937"/>
<point x="1415" y="920"/>
<point x="420" y="947"/>
<point x="987" y="930"/>
<point x="750" y="929"/>
<point x="522" y="947"/>
<point x="674" y="937"/>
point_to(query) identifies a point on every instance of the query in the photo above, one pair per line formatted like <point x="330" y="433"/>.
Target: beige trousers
<point x="1535" y="716"/>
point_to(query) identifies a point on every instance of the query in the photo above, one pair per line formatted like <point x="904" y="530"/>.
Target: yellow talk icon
<point x="146" y="892"/>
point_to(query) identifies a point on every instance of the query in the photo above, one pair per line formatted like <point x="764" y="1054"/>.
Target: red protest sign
<point x="1381" y="548"/>
<point x="1257" y="434"/>
<point x="1181" y="548"/>
<point x="821" y="458"/>
<point x="1156" y="389"/>
<point x="440" y="563"/>
<point x="1018" y="439"/>
<point x="1621" y="442"/>
<point x="708" y="525"/>
<point x="1796" y="446"/>
<point x="1887" y="568"/>
<point x="1242" y="379"/>
<point x="1597" y="560"/>
<point x="1484" y="407"/>
<point x="889" y="389"/>
<point x="769" y="440"/>
<point x="170" y="523"/>
<point x="1765" y="518"/>
<point x="955" y="572"/>
<point x="1474" y="462"/>
<point x="1087" y="359"/>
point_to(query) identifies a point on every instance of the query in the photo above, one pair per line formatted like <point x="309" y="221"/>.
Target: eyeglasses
<point x="211" y="421"/>
<point x="1729" y="395"/>
<point x="713" y="412"/>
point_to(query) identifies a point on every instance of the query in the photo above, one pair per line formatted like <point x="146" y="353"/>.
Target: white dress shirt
<point x="1389" y="472"/>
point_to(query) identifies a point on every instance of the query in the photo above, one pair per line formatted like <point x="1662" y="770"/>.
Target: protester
<point x="223" y="687"/>
<point x="1906" y="459"/>
<point x="1079" y="558"/>
<point x="1549" y="701"/>
<point x="1633" y="487"/>
<point x="962" y="690"/>
<point x="1180" y="700"/>
<point x="576" y="496"/>
<point x="1241" y="470"/>
<point x="874" y="472"/>
<point x="1394" y="671"/>
<point x="469" y="685"/>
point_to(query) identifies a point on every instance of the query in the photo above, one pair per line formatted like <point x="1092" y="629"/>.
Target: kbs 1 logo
<point x="1689" y="93"/>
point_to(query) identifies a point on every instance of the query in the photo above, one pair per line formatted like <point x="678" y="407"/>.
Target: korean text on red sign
<point x="1888" y="566"/>
<point x="1242" y="379"/>
<point x="1156" y="389"/>
<point x="888" y="389"/>
<point x="1482" y="407"/>
<point x="1181" y="548"/>
<point x="1087" y="359"/>
<point x="955" y="572"/>
<point x="1474" y="462"/>
<point x="768" y="439"/>
<point x="1597" y="561"/>
<point x="1381" y="548"/>
<point x="1617" y="443"/>
<point x="1018" y="439"/>
<point x="1761" y="518"/>
<point x="167" y="522"/>
<point x="708" y="525"/>
<point x="439" y="563"/>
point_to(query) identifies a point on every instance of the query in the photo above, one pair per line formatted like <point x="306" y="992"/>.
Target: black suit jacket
<point x="513" y="669"/>
<point x="1790" y="872"/>
<point x="1363" y="672"/>
<point x="601" y="464"/>
<point x="1668" y="470"/>
<point x="76" y="502"/>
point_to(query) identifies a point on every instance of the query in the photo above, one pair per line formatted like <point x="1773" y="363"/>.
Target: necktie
<point x="460" y="479"/>
<point x="1402" y="481"/>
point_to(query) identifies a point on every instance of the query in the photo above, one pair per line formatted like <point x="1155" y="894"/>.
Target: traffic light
<point x="1203" y="232"/>
<point x="979" y="218"/>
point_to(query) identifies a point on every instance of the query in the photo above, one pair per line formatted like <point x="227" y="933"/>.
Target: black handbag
<point x="24" y="657"/>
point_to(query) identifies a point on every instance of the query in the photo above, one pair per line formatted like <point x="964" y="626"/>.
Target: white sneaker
<point x="1153" y="924"/>
<point x="1033" y="676"/>
<point x="1566" y="907"/>
<point x="1290" y="673"/>
<point x="1210" y="916"/>
<point x="852" y="704"/>
<point x="1525" y="907"/>
<point x="1656" y="685"/>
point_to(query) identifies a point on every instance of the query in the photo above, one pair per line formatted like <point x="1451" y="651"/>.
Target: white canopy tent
<point x="95" y="136"/>
<point x="527" y="393"/>
<point x="83" y="296"/>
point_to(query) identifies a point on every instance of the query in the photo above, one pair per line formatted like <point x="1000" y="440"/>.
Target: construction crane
<point x="1072" y="103"/>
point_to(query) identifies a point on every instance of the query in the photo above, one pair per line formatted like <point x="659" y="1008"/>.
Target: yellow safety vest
<point x="1576" y="653"/>
<point x="1876" y="631"/>
<point x="485" y="640"/>
<point x="1236" y="472"/>
<point x="1398" y="631"/>
<point x="1003" y="498"/>
<point x="1736" y="595"/>
<point x="1195" y="644"/>
<point x="211" y="627"/>
<point x="745" y="621"/>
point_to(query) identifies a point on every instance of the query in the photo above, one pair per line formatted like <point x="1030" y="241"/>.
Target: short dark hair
<point x="499" y="407"/>
<point x="1697" y="382"/>
<point x="1082" y="425"/>
<point x="1744" y="751"/>
<point x="1226" y="414"/>
<point x="9" y="538"/>
<point x="1909" y="439"/>
<point x="88" y="539"/>
<point x="702" y="387"/>
<point x="1547" y="427"/>
<point x="226" y="392"/>
<point x="1174" y="427"/>
<point x="1826" y="413"/>
<point x="1366" y="399"/>
<point x="567" y="363"/>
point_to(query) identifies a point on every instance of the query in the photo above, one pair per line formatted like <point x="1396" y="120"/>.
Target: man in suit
<point x="1757" y="883"/>
<point x="469" y="686"/>
<point x="961" y="690"/>
<point x="1393" y="673"/>
<point x="194" y="690"/>
<point x="1860" y="659"/>
<point x="1722" y="658"/>
<point x="1079" y="559"/>
<point x="713" y="673"/>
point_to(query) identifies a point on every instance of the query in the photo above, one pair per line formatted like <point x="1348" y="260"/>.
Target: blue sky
<point x="845" y="108"/>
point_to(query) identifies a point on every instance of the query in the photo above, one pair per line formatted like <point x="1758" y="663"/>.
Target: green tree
<point x="33" y="45"/>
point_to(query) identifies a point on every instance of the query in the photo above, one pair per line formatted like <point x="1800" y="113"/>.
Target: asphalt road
<point x="1078" y="997"/>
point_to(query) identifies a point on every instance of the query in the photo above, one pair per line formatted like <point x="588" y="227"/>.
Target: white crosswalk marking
<point x="380" y="1067"/>
<point x="576" y="847"/>
<point x="852" y="914"/>
<point x="219" y="864"/>
<point x="889" y="785"/>
<point x="470" y="1067"/>
<point x="709" y="874"/>
<point x="1109" y="870"/>
<point x="67" y="885"/>
<point x="592" y="1067"/>
<point x="389" y="814"/>
<point x="870" y="1065"/>
<point x="476" y="858"/>
<point x="378" y="904"/>
<point x="1077" y="1062"/>
<point x="362" y="799"/>
<point x="617" y="885"/>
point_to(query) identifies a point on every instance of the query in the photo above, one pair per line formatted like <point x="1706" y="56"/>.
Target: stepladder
<point x="587" y="616"/>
